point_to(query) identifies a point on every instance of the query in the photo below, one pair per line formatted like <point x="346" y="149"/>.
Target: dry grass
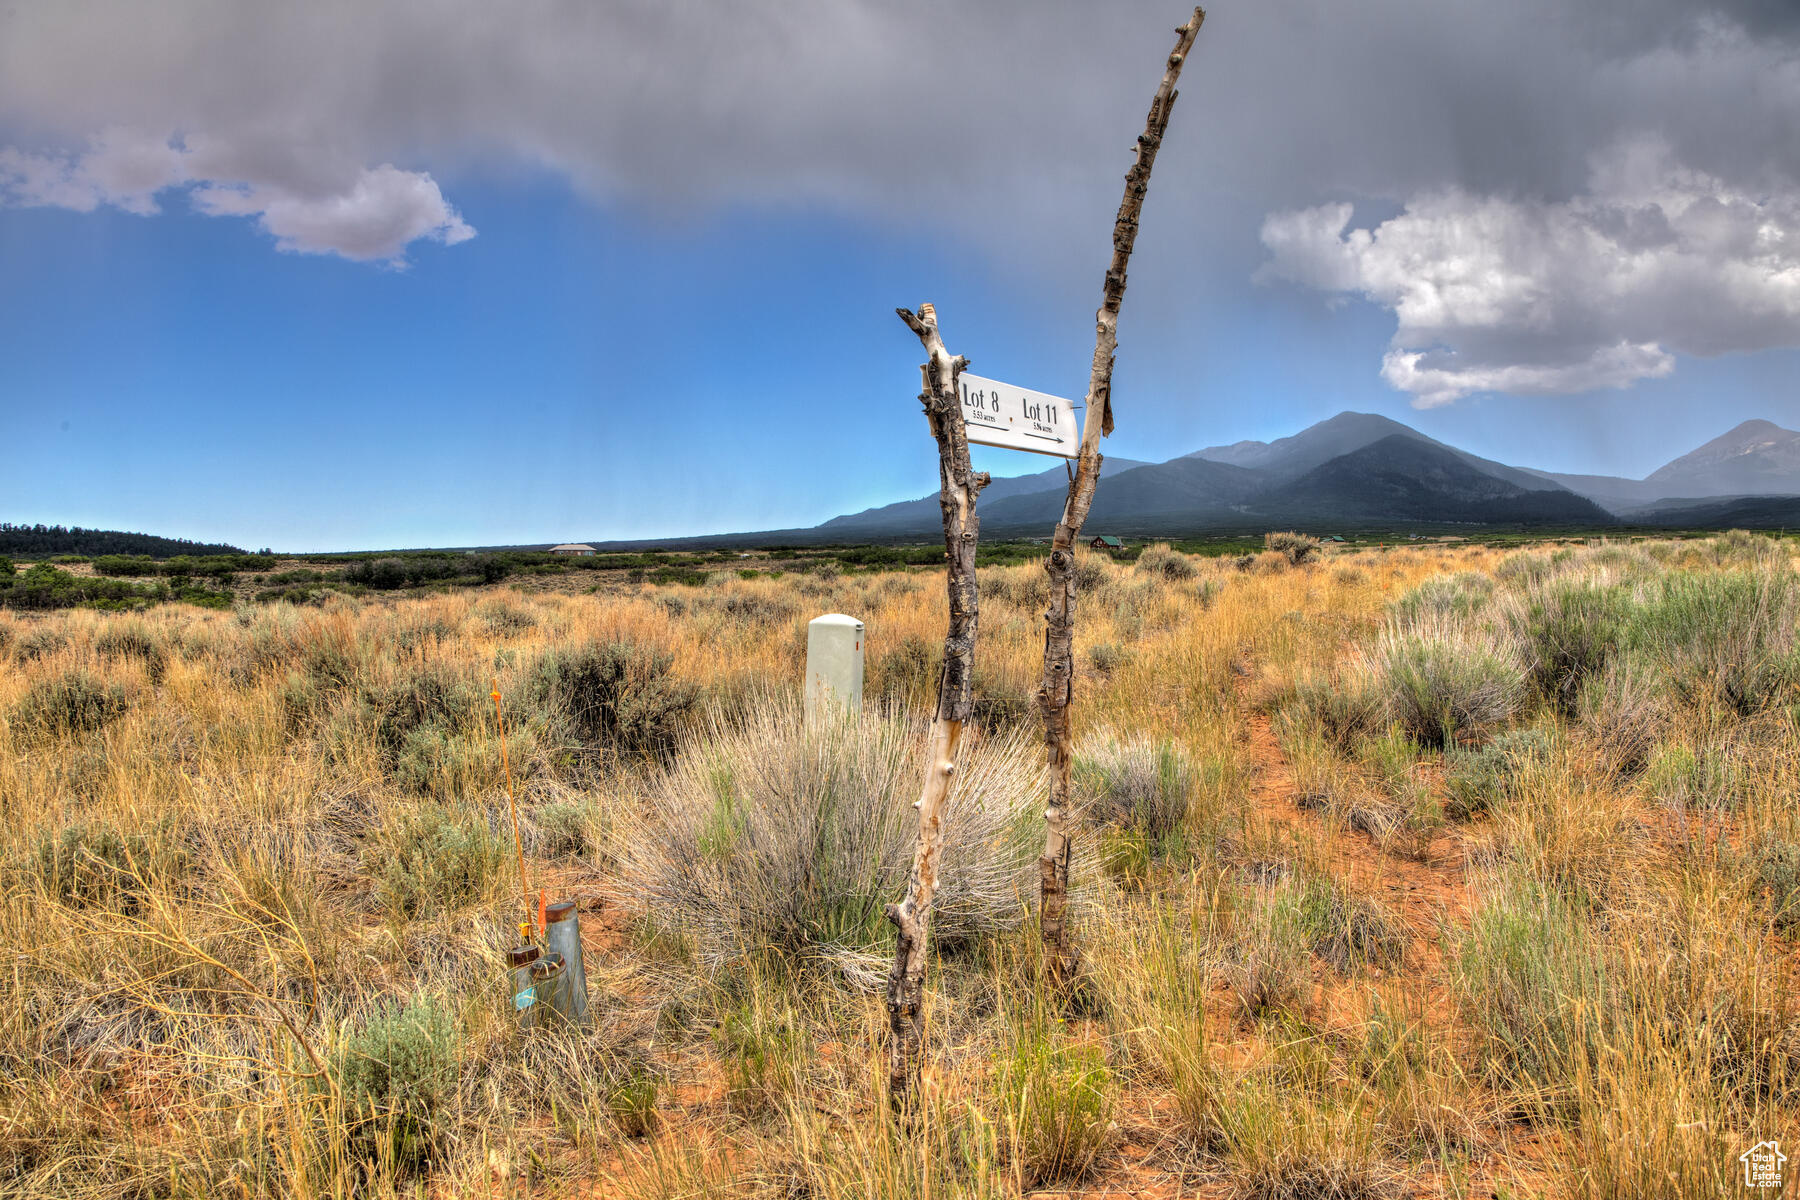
<point x="1506" y="906"/>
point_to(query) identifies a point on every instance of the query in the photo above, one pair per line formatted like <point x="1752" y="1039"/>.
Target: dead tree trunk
<point x="959" y="488"/>
<point x="1056" y="691"/>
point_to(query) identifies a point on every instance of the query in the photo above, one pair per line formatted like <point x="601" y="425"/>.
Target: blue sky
<point x="605" y="351"/>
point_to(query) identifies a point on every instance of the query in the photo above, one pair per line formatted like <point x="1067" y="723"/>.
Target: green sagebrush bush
<point x="1712" y="777"/>
<point x="616" y="696"/>
<point x="1161" y="559"/>
<point x="74" y="702"/>
<point x="1137" y="784"/>
<point x="560" y="830"/>
<point x="1728" y="637"/>
<point x="1476" y="780"/>
<point x="1297" y="548"/>
<point x="1462" y="594"/>
<point x="397" y="1076"/>
<point x="414" y="722"/>
<point x="1774" y="863"/>
<point x="1569" y="628"/>
<point x="101" y="866"/>
<point x="433" y="859"/>
<point x="1626" y="710"/>
<point x="1445" y="679"/>
<point x="134" y="641"/>
<point x="1344" y="708"/>
<point x="1059" y="1098"/>
<point x="41" y="642"/>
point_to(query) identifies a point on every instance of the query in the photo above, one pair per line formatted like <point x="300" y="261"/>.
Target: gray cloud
<point x="1005" y="125"/>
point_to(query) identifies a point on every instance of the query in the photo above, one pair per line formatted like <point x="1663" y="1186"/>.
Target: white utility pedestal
<point x="834" y="663"/>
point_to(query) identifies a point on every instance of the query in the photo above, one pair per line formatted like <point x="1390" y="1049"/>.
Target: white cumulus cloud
<point x="310" y="204"/>
<point x="1536" y="297"/>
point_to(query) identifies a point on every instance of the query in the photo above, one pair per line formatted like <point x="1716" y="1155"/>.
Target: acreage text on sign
<point x="1016" y="418"/>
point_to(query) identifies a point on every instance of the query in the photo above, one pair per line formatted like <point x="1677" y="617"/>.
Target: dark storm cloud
<point x="1007" y="124"/>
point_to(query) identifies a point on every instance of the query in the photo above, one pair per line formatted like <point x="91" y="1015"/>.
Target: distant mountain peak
<point x="1756" y="426"/>
<point x="1754" y="456"/>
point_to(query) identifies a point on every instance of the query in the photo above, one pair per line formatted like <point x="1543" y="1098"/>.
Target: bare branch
<point x="959" y="486"/>
<point x="1057" y="689"/>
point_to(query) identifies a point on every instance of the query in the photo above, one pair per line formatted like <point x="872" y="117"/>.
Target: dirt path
<point x="1422" y="893"/>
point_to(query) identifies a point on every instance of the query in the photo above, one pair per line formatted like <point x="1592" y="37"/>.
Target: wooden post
<point x="959" y="486"/>
<point x="1057" y="689"/>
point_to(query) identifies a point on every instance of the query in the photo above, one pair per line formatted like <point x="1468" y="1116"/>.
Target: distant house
<point x="579" y="549"/>
<point x="1106" y="543"/>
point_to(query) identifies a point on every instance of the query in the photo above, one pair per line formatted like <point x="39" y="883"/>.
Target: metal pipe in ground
<point x="562" y="935"/>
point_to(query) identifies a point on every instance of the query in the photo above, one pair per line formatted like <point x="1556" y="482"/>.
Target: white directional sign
<point x="1001" y="414"/>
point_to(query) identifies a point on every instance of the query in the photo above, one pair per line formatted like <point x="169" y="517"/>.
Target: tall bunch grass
<point x="788" y="835"/>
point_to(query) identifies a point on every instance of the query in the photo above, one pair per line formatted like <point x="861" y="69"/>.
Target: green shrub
<point x="1344" y="709"/>
<point x="1346" y="929"/>
<point x="415" y="720"/>
<point x="133" y="640"/>
<point x="1139" y="785"/>
<point x="1165" y="562"/>
<point x="1534" y="986"/>
<point x="1107" y="657"/>
<point x="562" y="830"/>
<point x="632" y="1101"/>
<point x="1460" y="595"/>
<point x="500" y="619"/>
<point x="99" y="866"/>
<point x="617" y="697"/>
<point x="1270" y="964"/>
<point x="422" y="634"/>
<point x="43" y="586"/>
<point x="764" y="1046"/>
<point x="1445" y="681"/>
<point x="1727" y="637"/>
<point x="41" y="642"/>
<point x="1476" y="780"/>
<point x="905" y="675"/>
<point x="1059" y="1100"/>
<point x="1090" y="571"/>
<point x="1626" y="710"/>
<point x="1525" y="567"/>
<point x="432" y="859"/>
<point x="1774" y="864"/>
<point x="398" y="1075"/>
<point x="1297" y="548"/>
<point x="125" y="564"/>
<point x="1706" y="777"/>
<point x="689" y="577"/>
<point x="1569" y="629"/>
<point x="387" y="574"/>
<point x="74" y="702"/>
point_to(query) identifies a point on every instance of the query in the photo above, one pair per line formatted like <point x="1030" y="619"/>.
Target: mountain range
<point x="1360" y="471"/>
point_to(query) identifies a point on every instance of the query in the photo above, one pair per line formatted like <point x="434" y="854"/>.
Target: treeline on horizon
<point x="39" y="541"/>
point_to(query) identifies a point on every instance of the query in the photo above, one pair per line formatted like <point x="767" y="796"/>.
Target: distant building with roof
<point x="579" y="549"/>
<point x="1106" y="543"/>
